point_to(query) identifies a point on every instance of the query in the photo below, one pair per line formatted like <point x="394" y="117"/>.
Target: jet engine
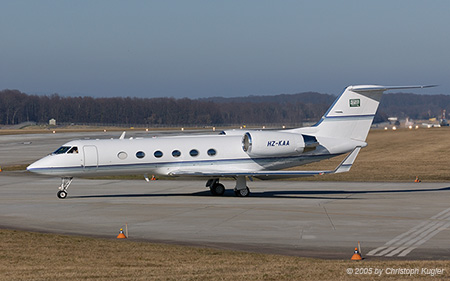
<point x="261" y="143"/>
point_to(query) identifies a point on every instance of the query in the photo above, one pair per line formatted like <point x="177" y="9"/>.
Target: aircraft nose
<point x="32" y="167"/>
<point x="38" y="166"/>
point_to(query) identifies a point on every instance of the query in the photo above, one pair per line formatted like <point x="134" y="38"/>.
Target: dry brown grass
<point x="68" y="129"/>
<point x="35" y="256"/>
<point x="45" y="129"/>
<point x="397" y="156"/>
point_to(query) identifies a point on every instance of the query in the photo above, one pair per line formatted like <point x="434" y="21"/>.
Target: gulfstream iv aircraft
<point x="237" y="154"/>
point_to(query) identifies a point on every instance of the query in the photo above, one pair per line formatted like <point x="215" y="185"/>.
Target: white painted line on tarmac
<point x="406" y="242"/>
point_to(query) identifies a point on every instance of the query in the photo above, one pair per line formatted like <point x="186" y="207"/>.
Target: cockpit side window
<point x="62" y="150"/>
<point x="73" y="150"/>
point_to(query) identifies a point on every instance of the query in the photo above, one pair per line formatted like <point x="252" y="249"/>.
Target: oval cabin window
<point x="193" y="152"/>
<point x="176" y="153"/>
<point x="140" y="154"/>
<point x="122" y="155"/>
<point x="212" y="152"/>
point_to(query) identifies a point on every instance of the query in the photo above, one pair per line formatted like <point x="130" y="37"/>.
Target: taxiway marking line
<point x="406" y="242"/>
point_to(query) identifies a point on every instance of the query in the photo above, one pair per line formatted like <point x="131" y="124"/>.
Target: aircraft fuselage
<point x="163" y="155"/>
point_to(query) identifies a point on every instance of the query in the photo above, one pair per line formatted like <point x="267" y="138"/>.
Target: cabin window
<point x="73" y="150"/>
<point x="158" y="154"/>
<point x="193" y="152"/>
<point x="176" y="153"/>
<point x="212" y="152"/>
<point x="62" y="150"/>
<point x="122" y="155"/>
<point x="140" y="154"/>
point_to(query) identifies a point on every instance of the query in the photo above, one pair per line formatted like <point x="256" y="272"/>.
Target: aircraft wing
<point x="344" y="166"/>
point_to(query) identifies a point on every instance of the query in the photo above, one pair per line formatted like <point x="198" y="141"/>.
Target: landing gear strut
<point x="242" y="192"/>
<point x="217" y="189"/>
<point x="65" y="183"/>
<point x="241" y="189"/>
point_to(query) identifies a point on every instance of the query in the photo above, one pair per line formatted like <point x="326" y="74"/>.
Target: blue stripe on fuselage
<point x="152" y="165"/>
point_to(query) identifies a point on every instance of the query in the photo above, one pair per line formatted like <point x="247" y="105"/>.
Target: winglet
<point x="122" y="136"/>
<point x="348" y="161"/>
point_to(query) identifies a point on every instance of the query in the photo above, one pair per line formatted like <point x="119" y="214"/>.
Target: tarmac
<point x="309" y="219"/>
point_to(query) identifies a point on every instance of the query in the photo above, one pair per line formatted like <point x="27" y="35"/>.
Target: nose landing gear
<point x="65" y="183"/>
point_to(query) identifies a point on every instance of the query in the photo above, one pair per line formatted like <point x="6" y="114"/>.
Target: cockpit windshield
<point x="66" y="149"/>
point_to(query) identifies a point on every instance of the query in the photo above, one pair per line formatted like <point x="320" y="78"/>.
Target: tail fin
<point x="352" y="113"/>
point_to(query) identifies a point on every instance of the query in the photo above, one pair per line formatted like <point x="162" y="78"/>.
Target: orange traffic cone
<point x="153" y="178"/>
<point x="356" y="256"/>
<point x="121" y="235"/>
<point x="417" y="179"/>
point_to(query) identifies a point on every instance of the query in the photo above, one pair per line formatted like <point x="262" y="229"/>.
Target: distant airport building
<point x="394" y="121"/>
<point x="52" y="122"/>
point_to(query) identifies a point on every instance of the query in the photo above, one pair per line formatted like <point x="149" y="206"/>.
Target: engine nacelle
<point x="262" y="143"/>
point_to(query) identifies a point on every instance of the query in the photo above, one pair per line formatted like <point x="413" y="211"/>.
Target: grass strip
<point x="38" y="256"/>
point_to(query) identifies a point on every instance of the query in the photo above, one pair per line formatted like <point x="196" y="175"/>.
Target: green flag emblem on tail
<point x="355" y="102"/>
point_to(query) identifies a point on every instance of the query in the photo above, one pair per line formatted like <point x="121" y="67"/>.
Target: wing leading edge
<point x="343" y="167"/>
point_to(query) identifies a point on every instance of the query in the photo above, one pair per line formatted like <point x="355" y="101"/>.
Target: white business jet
<point x="238" y="154"/>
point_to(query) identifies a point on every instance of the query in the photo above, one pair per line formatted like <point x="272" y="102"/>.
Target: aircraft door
<point x="90" y="161"/>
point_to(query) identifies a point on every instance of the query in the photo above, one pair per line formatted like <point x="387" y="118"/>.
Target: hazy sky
<point x="221" y="48"/>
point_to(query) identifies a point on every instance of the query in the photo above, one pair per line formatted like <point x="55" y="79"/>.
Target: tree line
<point x="17" y="107"/>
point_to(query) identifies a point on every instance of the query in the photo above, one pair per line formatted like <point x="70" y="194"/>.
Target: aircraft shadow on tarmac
<point x="288" y="194"/>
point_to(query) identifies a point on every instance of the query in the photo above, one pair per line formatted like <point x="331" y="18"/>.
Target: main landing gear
<point x="218" y="189"/>
<point x="65" y="183"/>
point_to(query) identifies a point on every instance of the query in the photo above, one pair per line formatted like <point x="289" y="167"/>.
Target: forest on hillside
<point x="295" y="109"/>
